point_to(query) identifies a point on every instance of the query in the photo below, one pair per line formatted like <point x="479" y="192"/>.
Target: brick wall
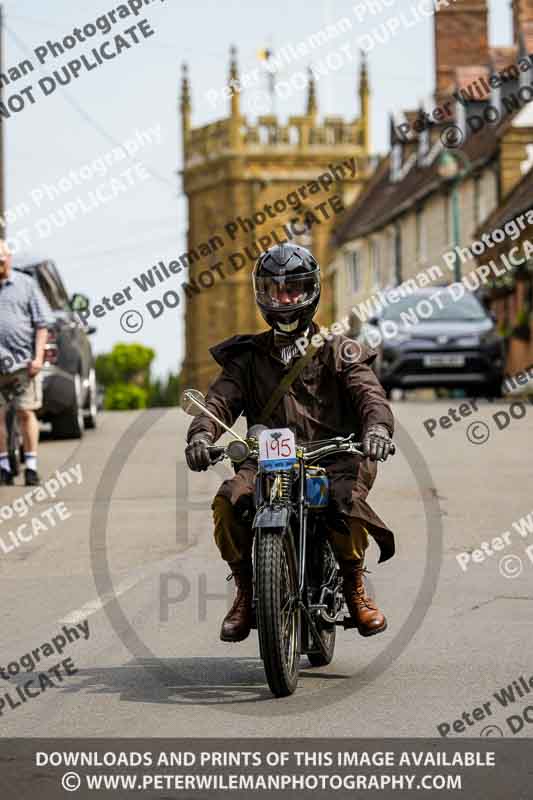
<point x="522" y="17"/>
<point x="461" y="39"/>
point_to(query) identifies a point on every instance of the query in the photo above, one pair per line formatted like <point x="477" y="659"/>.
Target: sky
<point x="62" y="148"/>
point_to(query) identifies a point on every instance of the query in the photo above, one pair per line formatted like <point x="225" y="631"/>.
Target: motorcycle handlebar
<point x="218" y="452"/>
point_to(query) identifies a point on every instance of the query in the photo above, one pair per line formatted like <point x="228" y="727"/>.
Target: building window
<point x="526" y="77"/>
<point x="480" y="200"/>
<point x="375" y="256"/>
<point x="398" y="253"/>
<point x="424" y="143"/>
<point x="421" y="236"/>
<point x="351" y="260"/>
<point x="477" y="200"/>
<point x="387" y="259"/>
<point x="484" y="209"/>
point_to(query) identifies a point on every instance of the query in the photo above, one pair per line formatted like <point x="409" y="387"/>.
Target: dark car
<point x="69" y="379"/>
<point x="437" y="343"/>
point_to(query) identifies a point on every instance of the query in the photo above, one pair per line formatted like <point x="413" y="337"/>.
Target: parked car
<point x="456" y="346"/>
<point x="69" y="378"/>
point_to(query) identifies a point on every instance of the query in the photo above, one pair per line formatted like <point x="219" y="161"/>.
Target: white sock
<point x="30" y="461"/>
<point x="4" y="462"/>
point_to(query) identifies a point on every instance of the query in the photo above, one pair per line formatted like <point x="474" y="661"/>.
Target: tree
<point x="125" y="375"/>
<point x="165" y="392"/>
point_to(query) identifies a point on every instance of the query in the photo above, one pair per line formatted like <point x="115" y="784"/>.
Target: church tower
<point x="237" y="177"/>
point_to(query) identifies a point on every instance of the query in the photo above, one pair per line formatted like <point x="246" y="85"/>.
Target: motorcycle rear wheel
<point x="278" y="614"/>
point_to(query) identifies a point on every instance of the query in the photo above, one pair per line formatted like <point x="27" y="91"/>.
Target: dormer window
<point x="526" y="76"/>
<point x="460" y="119"/>
<point x="396" y="161"/>
<point x="424" y="141"/>
<point x="496" y="97"/>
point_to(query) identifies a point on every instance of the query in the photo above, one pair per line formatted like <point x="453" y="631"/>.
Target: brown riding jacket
<point x="334" y="395"/>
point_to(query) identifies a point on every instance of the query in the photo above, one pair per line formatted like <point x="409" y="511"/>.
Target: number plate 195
<point x="277" y="449"/>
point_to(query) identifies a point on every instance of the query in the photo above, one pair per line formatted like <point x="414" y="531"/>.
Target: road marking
<point x="95" y="606"/>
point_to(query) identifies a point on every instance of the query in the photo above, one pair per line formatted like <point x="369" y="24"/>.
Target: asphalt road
<point x="141" y="567"/>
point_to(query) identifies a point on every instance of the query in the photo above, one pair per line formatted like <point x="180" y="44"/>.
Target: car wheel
<point x="90" y="413"/>
<point x="69" y="424"/>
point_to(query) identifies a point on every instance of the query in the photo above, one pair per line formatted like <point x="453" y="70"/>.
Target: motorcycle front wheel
<point x="278" y="614"/>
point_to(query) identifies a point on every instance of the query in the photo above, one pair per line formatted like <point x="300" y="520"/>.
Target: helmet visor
<point x="287" y="291"/>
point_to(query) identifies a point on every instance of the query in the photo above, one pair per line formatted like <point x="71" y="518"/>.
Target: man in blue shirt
<point x="25" y="317"/>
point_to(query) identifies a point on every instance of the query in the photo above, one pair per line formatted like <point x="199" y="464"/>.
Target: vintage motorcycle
<point x="298" y="600"/>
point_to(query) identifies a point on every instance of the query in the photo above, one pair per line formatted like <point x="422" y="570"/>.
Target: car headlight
<point x="491" y="337"/>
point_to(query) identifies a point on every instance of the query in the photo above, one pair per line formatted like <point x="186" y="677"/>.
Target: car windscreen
<point x="445" y="308"/>
<point x="51" y="289"/>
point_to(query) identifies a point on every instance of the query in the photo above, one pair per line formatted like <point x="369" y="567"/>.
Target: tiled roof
<point x="360" y="215"/>
<point x="381" y="200"/>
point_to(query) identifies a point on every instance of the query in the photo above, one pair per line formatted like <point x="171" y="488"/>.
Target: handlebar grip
<point x="215" y="451"/>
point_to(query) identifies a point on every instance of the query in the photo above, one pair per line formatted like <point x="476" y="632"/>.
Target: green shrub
<point x="125" y="397"/>
<point x="126" y="362"/>
<point x="124" y="373"/>
<point x="165" y="392"/>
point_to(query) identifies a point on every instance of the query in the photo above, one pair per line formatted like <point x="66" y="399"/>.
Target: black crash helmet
<point x="286" y="283"/>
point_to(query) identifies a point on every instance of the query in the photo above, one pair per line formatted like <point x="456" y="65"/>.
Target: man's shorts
<point x="26" y="393"/>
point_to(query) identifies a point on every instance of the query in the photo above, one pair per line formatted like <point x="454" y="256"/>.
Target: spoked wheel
<point x="325" y="569"/>
<point x="278" y="614"/>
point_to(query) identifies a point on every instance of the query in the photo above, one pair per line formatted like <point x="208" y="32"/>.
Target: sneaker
<point x="6" y="478"/>
<point x="31" y="477"/>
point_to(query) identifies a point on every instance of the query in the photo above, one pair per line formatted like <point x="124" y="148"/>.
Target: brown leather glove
<point x="377" y="443"/>
<point x="197" y="453"/>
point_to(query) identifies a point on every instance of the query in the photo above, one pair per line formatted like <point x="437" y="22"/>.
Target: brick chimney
<point x="523" y="23"/>
<point x="461" y="39"/>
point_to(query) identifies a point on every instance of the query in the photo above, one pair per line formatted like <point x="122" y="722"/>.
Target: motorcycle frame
<point x="278" y="516"/>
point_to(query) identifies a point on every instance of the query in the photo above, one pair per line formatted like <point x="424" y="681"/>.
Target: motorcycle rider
<point x="335" y="394"/>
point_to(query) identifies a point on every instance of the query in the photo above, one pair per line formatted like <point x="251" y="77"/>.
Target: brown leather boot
<point x="238" y="621"/>
<point x="362" y="608"/>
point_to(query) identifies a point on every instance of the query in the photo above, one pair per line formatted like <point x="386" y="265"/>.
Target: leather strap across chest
<point x="285" y="384"/>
